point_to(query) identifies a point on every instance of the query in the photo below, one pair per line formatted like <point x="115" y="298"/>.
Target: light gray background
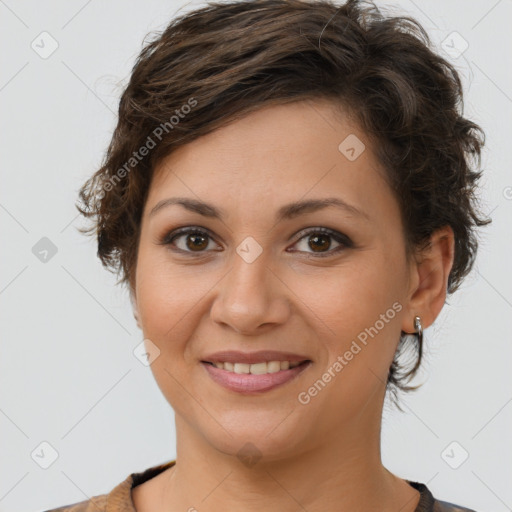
<point x="67" y="372"/>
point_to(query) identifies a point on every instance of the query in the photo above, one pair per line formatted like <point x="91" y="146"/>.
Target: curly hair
<point x="218" y="63"/>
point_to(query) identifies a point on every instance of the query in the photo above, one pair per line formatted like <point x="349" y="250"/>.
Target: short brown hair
<point x="225" y="60"/>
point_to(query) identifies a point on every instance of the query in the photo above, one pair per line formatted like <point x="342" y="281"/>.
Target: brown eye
<point x="319" y="241"/>
<point x="188" y="240"/>
<point x="196" y="241"/>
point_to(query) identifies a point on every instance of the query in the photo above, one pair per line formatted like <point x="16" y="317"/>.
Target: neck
<point x="341" y="470"/>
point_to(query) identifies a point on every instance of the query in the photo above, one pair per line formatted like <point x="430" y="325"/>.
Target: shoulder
<point x="120" y="498"/>
<point x="444" y="506"/>
<point x="428" y="503"/>
<point x="94" y="504"/>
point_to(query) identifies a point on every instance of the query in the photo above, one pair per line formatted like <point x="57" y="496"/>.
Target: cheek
<point x="361" y="306"/>
<point x="363" y="314"/>
<point x="164" y="298"/>
<point x="167" y="315"/>
<point x="356" y="295"/>
<point x="171" y="301"/>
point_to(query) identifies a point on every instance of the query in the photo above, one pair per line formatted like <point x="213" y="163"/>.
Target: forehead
<point x="276" y="155"/>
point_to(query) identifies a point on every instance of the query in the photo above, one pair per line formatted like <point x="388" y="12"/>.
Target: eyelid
<point x="344" y="241"/>
<point x="170" y="236"/>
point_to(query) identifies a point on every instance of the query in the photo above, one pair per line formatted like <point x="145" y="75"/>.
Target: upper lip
<point x="234" y="356"/>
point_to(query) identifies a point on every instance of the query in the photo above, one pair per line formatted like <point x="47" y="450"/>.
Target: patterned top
<point x="120" y="498"/>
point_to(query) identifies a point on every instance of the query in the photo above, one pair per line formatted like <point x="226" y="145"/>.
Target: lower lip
<point x="249" y="383"/>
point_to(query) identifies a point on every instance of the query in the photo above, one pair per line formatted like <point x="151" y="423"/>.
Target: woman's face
<point x="255" y="280"/>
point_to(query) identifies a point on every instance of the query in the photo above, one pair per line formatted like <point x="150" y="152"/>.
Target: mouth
<point x="260" y="368"/>
<point x="255" y="377"/>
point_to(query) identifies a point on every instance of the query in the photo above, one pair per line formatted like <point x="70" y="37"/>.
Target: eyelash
<point x="338" y="237"/>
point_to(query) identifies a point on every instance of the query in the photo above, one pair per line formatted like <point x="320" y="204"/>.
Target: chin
<point x="269" y="440"/>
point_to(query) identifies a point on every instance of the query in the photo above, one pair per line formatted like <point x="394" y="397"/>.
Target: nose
<point x="251" y="298"/>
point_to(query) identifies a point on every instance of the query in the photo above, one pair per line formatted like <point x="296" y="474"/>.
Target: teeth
<point x="242" y="368"/>
<point x="257" y="368"/>
<point x="273" y="366"/>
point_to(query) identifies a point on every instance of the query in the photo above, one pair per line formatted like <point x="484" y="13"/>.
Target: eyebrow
<point x="286" y="212"/>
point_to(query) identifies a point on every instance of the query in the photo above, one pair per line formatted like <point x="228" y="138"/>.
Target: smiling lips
<point x="234" y="356"/>
<point x="257" y="368"/>
<point x="255" y="371"/>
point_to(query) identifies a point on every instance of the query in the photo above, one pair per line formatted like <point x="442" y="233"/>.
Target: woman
<point x="289" y="196"/>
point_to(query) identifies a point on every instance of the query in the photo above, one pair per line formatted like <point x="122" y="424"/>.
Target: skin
<point x="325" y="455"/>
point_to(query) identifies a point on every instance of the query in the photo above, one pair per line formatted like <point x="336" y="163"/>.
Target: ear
<point x="429" y="279"/>
<point x="133" y="300"/>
